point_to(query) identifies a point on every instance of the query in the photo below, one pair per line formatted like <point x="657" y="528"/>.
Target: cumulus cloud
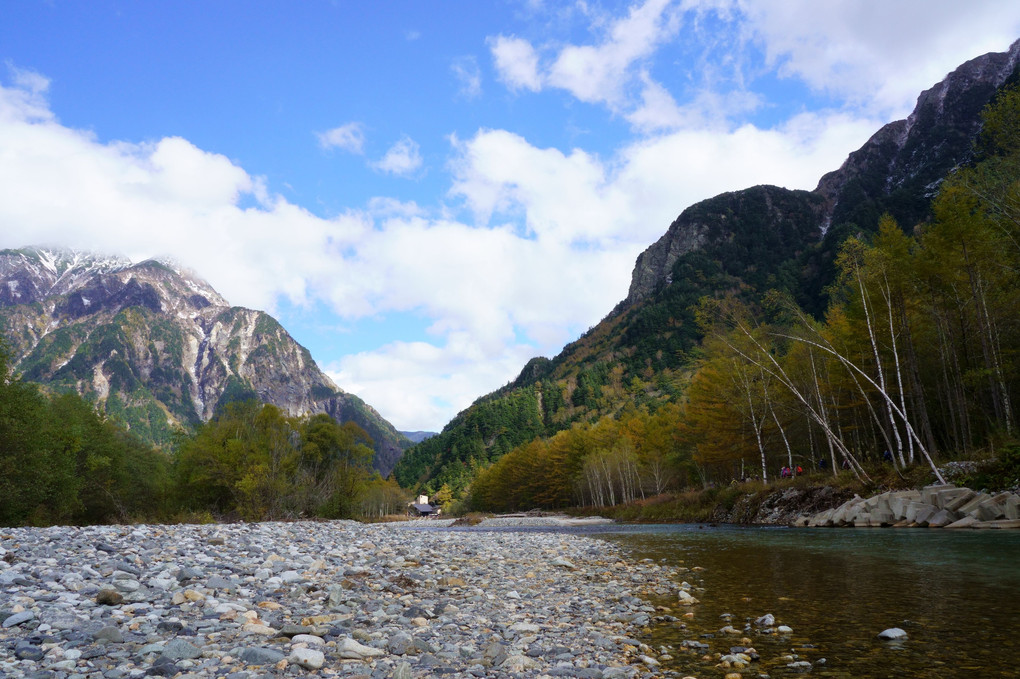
<point x="348" y="137"/>
<point x="402" y="159"/>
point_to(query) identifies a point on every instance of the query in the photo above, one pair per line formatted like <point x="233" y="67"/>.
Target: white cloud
<point x="516" y="62"/>
<point x="598" y="73"/>
<point x="878" y="54"/>
<point x="348" y="137"/>
<point x="402" y="159"/>
<point x="873" y="57"/>
<point x="466" y="70"/>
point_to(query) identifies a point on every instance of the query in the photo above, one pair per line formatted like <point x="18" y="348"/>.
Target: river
<point x="955" y="593"/>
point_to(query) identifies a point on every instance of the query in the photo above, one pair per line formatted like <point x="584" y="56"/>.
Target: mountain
<point x="744" y="242"/>
<point x="418" y="436"/>
<point x="156" y="348"/>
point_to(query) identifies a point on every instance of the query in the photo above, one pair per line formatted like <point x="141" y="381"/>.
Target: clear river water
<point x="955" y="593"/>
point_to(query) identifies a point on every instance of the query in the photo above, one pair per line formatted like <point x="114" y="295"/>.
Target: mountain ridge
<point x="156" y="347"/>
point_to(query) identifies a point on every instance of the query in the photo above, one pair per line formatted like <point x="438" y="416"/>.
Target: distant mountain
<point x="418" y="436"/>
<point x="744" y="242"/>
<point x="156" y="348"/>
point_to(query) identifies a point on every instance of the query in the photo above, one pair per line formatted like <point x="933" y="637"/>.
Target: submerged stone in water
<point x="892" y="634"/>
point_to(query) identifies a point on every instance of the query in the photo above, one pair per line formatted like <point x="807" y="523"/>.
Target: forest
<point x="63" y="463"/>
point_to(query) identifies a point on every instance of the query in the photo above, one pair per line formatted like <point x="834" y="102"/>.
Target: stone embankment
<point x="326" y="599"/>
<point x="934" y="506"/>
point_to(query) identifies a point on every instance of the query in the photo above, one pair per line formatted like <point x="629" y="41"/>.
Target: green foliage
<point x="253" y="462"/>
<point x="235" y="391"/>
<point x="472" y="439"/>
<point x="1001" y="474"/>
<point x="60" y="462"/>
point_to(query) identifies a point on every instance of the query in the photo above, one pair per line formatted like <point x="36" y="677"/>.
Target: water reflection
<point x="956" y="594"/>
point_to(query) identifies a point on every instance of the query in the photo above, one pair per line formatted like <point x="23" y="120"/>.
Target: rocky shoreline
<point x="329" y="599"/>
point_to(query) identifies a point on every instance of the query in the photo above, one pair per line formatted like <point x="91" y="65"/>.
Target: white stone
<point x="307" y="639"/>
<point x="309" y="658"/>
<point x="349" y="648"/>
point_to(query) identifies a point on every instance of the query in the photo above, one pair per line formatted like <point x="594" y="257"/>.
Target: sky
<point x="428" y="194"/>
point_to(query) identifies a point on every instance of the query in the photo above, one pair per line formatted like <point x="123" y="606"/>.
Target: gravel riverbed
<point x="322" y="599"/>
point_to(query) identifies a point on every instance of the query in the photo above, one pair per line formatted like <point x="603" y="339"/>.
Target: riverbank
<point x="749" y="503"/>
<point x="322" y="599"/>
<point x="789" y="502"/>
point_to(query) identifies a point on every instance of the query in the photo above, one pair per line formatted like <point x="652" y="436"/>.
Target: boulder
<point x="930" y="493"/>
<point x="971" y="506"/>
<point x="989" y="510"/>
<point x="1011" y="506"/>
<point x="942" y="518"/>
<point x="960" y="500"/>
<point x="924" y="514"/>
<point x="965" y="522"/>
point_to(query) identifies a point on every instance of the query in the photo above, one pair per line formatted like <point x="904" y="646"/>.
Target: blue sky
<point x="428" y="194"/>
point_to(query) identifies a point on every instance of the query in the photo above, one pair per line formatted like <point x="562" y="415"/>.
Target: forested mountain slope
<point x="157" y="349"/>
<point x="739" y="244"/>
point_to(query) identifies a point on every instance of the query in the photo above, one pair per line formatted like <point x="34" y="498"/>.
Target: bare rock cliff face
<point x="898" y="170"/>
<point x="157" y="348"/>
<point x="916" y="153"/>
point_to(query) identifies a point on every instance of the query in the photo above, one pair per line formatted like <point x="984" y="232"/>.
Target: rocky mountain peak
<point x="898" y="170"/>
<point x="156" y="347"/>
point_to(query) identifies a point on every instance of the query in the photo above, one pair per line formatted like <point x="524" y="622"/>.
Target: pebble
<point x="338" y="599"/>
<point x="892" y="634"/>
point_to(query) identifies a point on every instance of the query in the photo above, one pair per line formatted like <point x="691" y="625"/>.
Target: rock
<point x="219" y="582"/>
<point x="685" y="598"/>
<point x="179" y="649"/>
<point x="109" y="597"/>
<point x="18" y="619"/>
<point x="518" y="664"/>
<point x="256" y="655"/>
<point x="767" y="620"/>
<point x="258" y="628"/>
<point x="783" y="629"/>
<point x="965" y="522"/>
<point x="25" y="651"/>
<point x="525" y="628"/>
<point x="307" y="639"/>
<point x="349" y="648"/>
<point x="401" y="671"/>
<point x="308" y="658"/>
<point x="291" y="630"/>
<point x="892" y="634"/>
<point x="109" y="634"/>
<point x="400" y="643"/>
<point x="560" y="562"/>
<point x="494" y="654"/>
